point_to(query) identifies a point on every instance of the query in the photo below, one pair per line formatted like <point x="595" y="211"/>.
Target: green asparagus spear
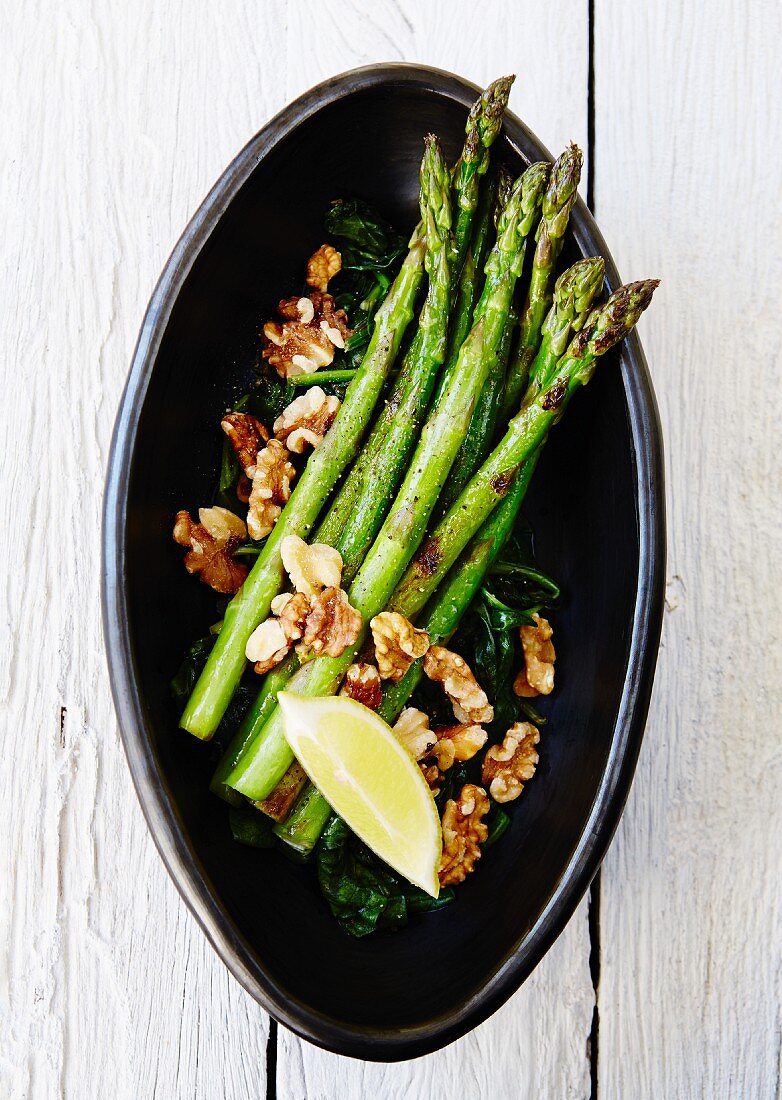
<point x="250" y="606"/>
<point x="574" y="293"/>
<point x="483" y="126"/>
<point x="411" y="395"/>
<point x="376" y="483"/>
<point x="525" y="433"/>
<point x="269" y="756"/>
<point x="557" y="204"/>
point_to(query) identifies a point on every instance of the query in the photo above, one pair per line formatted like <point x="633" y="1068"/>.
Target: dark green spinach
<point x="364" y="894"/>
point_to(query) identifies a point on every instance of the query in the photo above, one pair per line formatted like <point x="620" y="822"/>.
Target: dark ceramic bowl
<point x="596" y="507"/>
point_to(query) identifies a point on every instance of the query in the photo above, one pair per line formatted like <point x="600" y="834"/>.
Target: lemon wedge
<point x="370" y="779"/>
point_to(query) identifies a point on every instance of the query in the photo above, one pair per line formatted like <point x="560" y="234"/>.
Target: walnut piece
<point x="311" y="568"/>
<point x="412" y="729"/>
<point x="306" y="420"/>
<point x="246" y="435"/>
<point x="267" y="646"/>
<point x="362" y="683"/>
<point x="305" y="341"/>
<point x="507" y="767"/>
<point x="292" y="616"/>
<point x="322" y="266"/>
<point x="209" y="543"/>
<point x="397" y="644"/>
<point x="470" y="702"/>
<point x="454" y="743"/>
<point x="271" y="488"/>
<point x="537" y="676"/>
<point x="463" y="833"/>
<point x="332" y="624"/>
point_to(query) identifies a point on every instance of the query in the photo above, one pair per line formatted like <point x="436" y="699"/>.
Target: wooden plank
<point x="118" y="120"/>
<point x="687" y="187"/>
<point x="537" y="1045"/>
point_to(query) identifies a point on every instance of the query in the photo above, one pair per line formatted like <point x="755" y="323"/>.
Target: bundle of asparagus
<point x="428" y="461"/>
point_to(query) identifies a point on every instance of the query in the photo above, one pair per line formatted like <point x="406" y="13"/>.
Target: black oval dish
<point x="598" y="511"/>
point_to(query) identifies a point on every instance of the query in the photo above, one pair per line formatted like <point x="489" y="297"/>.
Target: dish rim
<point x="376" y="1043"/>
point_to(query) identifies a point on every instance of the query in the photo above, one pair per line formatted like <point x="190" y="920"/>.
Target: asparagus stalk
<point x="410" y="396"/>
<point x="375" y="483"/>
<point x="250" y="606"/>
<point x="557" y="204"/>
<point x="478" y="440"/>
<point x="267" y="759"/>
<point x="483" y="126"/>
<point x="525" y="433"/>
<point x="574" y="293"/>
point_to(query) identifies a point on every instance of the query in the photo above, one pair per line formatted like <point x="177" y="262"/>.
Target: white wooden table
<point x="116" y="119"/>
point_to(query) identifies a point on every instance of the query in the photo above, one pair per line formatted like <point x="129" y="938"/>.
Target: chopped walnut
<point x="312" y="328"/>
<point x="397" y="644"/>
<point x="306" y="420"/>
<point x="463" y="833"/>
<point x="332" y="624"/>
<point x="292" y="616"/>
<point x="322" y="266"/>
<point x="433" y="776"/>
<point x="362" y="683"/>
<point x="470" y="703"/>
<point x="209" y="543"/>
<point x="271" y="488"/>
<point x="311" y="568"/>
<point x="537" y="676"/>
<point x="457" y="743"/>
<point x="267" y="646"/>
<point x="412" y="729"/>
<point x="508" y="766"/>
<point x="246" y="435"/>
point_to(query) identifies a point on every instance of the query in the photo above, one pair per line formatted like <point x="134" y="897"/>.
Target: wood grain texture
<point x="687" y="187"/>
<point x="117" y="120"/>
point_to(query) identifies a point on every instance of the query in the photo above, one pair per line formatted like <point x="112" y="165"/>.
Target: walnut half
<point x="470" y="702"/>
<point x="332" y="624"/>
<point x="306" y="420"/>
<point x="209" y="543"/>
<point x="311" y="567"/>
<point x="311" y="330"/>
<point x="397" y="644"/>
<point x="457" y="743"/>
<point x="507" y="767"/>
<point x="463" y="833"/>
<point x="537" y="676"/>
<point x="322" y="266"/>
<point x="271" y="488"/>
<point x="362" y="683"/>
<point x="412" y="729"/>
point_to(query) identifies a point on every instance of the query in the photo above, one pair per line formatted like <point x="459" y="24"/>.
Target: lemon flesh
<point x="370" y="779"/>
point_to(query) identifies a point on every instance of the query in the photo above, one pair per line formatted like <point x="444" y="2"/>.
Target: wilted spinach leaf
<point x="249" y="826"/>
<point x="364" y="238"/>
<point x="364" y="894"/>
